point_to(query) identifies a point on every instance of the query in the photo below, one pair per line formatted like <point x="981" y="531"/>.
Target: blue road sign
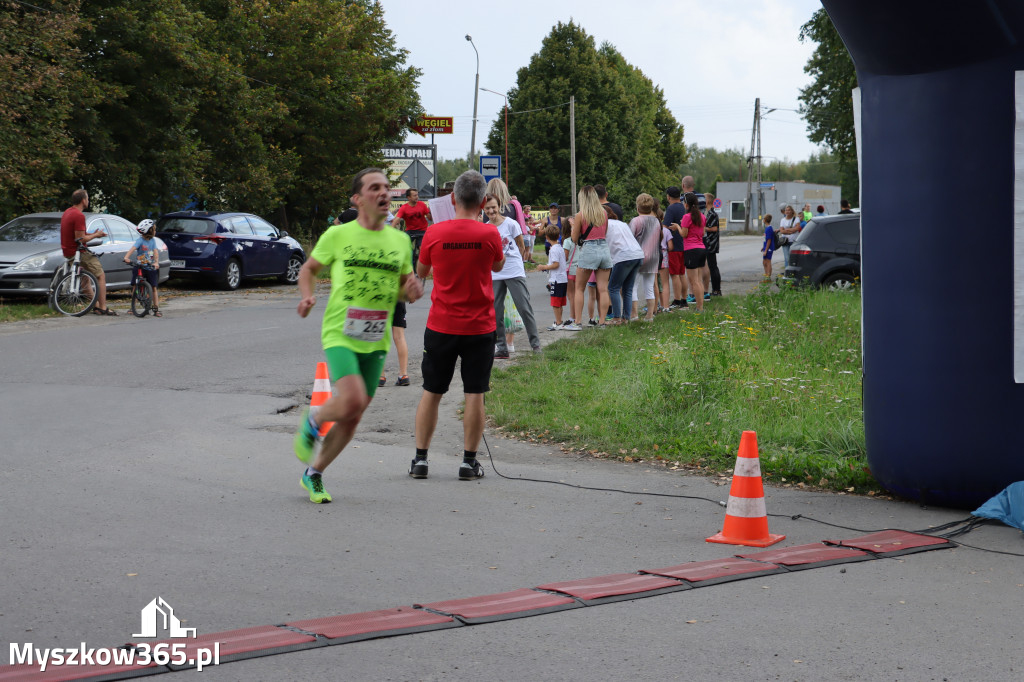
<point x="490" y="167"/>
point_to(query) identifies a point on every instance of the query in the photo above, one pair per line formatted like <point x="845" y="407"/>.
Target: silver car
<point x="30" y="252"/>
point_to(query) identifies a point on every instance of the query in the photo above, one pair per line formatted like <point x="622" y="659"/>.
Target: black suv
<point x="826" y="253"/>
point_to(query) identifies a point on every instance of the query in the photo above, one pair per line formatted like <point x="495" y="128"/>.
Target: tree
<point x="449" y="169"/>
<point x="708" y="166"/>
<point x="42" y="87"/>
<point x="714" y="185"/>
<point x="822" y="168"/>
<point x="827" y="104"/>
<point x="333" y="65"/>
<point x="141" y="140"/>
<point x="626" y="138"/>
<point x="649" y="141"/>
<point x="267" y="106"/>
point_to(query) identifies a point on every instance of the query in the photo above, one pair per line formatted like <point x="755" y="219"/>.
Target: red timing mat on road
<point x="814" y="555"/>
<point x="236" y="645"/>
<point x="715" y="571"/>
<point x="371" y="624"/>
<point x="618" y="587"/>
<point x="515" y="604"/>
<point x="889" y="543"/>
<point x="26" y="673"/>
<point x="317" y="632"/>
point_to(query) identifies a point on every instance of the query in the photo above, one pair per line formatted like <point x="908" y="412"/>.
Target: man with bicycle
<point x="73" y="238"/>
<point x="415" y="214"/>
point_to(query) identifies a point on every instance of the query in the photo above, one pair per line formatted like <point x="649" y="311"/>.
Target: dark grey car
<point x="826" y="253"/>
<point x="30" y="252"/>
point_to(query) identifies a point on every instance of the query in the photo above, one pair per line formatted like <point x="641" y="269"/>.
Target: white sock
<point x="310" y="471"/>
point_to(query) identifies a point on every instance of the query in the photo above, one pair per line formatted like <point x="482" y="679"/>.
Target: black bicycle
<point x="142" y="293"/>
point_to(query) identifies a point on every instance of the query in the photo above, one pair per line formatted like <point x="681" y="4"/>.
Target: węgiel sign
<point x="433" y="125"/>
<point x="411" y="166"/>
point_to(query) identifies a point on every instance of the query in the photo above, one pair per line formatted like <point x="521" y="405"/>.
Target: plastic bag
<point x="513" y="321"/>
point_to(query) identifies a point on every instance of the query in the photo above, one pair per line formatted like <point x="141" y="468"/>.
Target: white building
<point x="774" y="196"/>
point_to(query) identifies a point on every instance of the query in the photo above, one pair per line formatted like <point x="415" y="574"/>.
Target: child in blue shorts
<point x="768" y="248"/>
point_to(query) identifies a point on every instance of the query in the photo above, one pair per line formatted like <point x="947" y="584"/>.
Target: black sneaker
<point x="501" y="355"/>
<point x="592" y="322"/>
<point x="470" y="471"/>
<point x="418" y="468"/>
<point x="402" y="380"/>
<point x="716" y="293"/>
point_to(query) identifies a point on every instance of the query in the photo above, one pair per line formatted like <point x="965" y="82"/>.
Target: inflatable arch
<point x="941" y="145"/>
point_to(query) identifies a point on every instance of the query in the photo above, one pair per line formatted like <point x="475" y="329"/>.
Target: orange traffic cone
<point x="746" y="519"/>
<point x="322" y="393"/>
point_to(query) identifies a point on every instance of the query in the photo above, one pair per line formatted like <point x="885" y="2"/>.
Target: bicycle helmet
<point x="145" y="226"/>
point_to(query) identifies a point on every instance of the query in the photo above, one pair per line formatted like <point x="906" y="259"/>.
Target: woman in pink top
<point x="695" y="255"/>
<point x="589" y="230"/>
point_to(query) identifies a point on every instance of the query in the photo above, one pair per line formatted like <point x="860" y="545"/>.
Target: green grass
<point x="539" y="257"/>
<point x="684" y="387"/>
<point x="17" y="309"/>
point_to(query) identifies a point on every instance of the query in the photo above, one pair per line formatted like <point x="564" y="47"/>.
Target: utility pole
<point x="476" y="93"/>
<point x="505" y="95"/>
<point x="755" y="143"/>
<point x="760" y="189"/>
<point x="572" y="150"/>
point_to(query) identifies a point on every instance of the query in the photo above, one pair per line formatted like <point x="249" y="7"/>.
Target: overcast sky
<point x="711" y="59"/>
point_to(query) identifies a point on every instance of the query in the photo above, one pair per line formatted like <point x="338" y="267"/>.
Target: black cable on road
<point x="968" y="524"/>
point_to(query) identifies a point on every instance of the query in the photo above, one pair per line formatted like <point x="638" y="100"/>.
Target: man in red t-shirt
<point x="461" y="324"/>
<point x="414" y="214"/>
<point x="73" y="236"/>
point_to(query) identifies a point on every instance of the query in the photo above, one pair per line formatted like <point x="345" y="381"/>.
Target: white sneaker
<point x="572" y="327"/>
<point x="554" y="328"/>
<point x="511" y="348"/>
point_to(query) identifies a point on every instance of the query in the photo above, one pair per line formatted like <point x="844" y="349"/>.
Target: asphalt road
<point x="153" y="457"/>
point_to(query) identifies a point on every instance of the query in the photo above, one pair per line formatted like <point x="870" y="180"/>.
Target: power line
<point x="41" y="9"/>
<point x="530" y="111"/>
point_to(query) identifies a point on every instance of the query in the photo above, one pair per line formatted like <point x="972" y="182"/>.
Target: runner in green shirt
<point x="371" y="268"/>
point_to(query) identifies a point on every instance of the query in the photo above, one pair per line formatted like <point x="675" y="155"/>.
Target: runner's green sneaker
<point x="305" y="439"/>
<point x="315" y="485"/>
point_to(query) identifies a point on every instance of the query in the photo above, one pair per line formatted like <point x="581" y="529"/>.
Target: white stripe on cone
<point x="746" y="507"/>
<point x="748" y="466"/>
<point x="322" y="386"/>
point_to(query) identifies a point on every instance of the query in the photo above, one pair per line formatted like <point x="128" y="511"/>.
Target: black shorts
<point x="695" y="259"/>
<point x="440" y="351"/>
<point x="151" y="276"/>
<point x="399" y="318"/>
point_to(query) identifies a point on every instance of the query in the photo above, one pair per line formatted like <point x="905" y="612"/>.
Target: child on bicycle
<point x="148" y="259"/>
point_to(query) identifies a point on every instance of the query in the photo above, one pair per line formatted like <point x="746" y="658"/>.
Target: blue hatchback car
<point x="228" y="247"/>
